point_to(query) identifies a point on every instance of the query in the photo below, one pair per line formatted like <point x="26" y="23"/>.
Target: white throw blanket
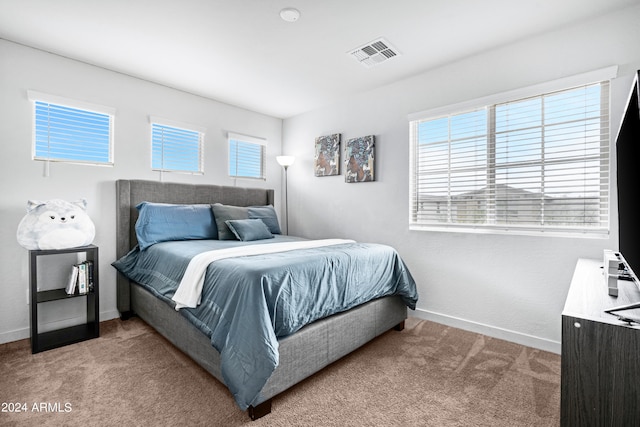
<point x="189" y="291"/>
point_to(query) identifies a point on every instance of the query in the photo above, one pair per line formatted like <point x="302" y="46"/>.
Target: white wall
<point x="511" y="287"/>
<point x="507" y="286"/>
<point x="21" y="178"/>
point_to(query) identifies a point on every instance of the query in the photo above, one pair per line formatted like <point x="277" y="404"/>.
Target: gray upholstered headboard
<point x="130" y="193"/>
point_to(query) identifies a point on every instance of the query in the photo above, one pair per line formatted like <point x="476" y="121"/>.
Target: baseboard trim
<point x="25" y="333"/>
<point x="491" y="331"/>
<point x="456" y="322"/>
<point x="17" y="335"/>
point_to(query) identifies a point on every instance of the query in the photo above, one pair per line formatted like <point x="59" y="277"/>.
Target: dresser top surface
<point x="588" y="295"/>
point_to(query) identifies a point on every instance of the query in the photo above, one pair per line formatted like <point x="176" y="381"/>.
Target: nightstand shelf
<point x="54" y="295"/>
<point x="41" y="341"/>
<point x="61" y="337"/>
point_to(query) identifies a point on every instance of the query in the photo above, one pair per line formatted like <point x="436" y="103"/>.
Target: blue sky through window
<point x="563" y="127"/>
<point x="541" y="160"/>
<point x="175" y="149"/>
<point x="71" y="134"/>
<point x="245" y="159"/>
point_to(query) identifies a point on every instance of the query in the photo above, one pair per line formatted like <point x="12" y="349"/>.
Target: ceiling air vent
<point x="374" y="53"/>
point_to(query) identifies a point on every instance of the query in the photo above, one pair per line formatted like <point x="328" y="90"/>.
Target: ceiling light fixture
<point x="290" y="14"/>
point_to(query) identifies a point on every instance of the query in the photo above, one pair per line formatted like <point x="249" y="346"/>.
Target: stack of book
<point x="80" y="279"/>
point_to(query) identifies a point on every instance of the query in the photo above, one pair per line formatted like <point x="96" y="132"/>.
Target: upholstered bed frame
<point x="301" y="354"/>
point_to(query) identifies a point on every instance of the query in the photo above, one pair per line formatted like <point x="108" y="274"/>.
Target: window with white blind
<point x="176" y="147"/>
<point x="535" y="164"/>
<point x="246" y="156"/>
<point x="71" y="131"/>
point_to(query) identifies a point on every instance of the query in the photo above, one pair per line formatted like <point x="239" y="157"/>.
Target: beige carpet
<point x="427" y="375"/>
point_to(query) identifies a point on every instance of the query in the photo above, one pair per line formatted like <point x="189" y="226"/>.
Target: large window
<point x="71" y="131"/>
<point x="539" y="163"/>
<point x="176" y="147"/>
<point x="246" y="156"/>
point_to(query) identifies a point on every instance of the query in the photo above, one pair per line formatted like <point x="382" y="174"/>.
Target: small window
<point x="246" y="156"/>
<point x="71" y="131"/>
<point x="533" y="164"/>
<point x="175" y="148"/>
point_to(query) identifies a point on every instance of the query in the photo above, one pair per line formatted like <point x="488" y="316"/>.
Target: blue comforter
<point x="249" y="302"/>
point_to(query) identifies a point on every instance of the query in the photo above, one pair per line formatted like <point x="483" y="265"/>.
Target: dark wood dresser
<point x="600" y="380"/>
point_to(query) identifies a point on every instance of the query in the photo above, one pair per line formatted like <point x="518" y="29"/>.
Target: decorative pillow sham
<point x="249" y="229"/>
<point x="268" y="215"/>
<point x="161" y="222"/>
<point x="223" y="213"/>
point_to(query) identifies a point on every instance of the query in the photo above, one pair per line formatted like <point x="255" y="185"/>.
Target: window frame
<point x="262" y="142"/>
<point x="84" y="107"/>
<point x="597" y="76"/>
<point x="180" y="126"/>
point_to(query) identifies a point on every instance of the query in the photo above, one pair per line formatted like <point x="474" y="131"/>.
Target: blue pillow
<point x="249" y="229"/>
<point x="161" y="222"/>
<point x="268" y="215"/>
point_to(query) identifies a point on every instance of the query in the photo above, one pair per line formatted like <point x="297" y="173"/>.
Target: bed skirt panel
<point x="301" y="355"/>
<point x="176" y="328"/>
<point x="323" y="342"/>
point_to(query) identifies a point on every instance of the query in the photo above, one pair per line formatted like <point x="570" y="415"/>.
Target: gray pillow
<point x="223" y="213"/>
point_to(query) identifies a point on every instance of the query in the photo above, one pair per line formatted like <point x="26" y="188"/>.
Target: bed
<point x="300" y="354"/>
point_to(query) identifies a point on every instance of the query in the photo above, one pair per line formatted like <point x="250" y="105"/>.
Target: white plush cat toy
<point x="55" y="224"/>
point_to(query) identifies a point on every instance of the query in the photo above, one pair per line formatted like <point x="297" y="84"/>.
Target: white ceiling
<point x="241" y="52"/>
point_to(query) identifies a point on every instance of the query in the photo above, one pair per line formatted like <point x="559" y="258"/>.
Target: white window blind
<point x="539" y="163"/>
<point x="246" y="156"/>
<point x="176" y="147"/>
<point x="71" y="131"/>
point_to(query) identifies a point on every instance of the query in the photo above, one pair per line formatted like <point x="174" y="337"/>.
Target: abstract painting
<point x="326" y="159"/>
<point x="359" y="159"/>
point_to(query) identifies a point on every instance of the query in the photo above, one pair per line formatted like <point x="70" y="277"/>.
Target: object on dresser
<point x="625" y="272"/>
<point x="55" y="224"/>
<point x="611" y="271"/>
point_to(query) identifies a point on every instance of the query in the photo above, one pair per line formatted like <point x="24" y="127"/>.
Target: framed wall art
<point x="326" y="160"/>
<point x="359" y="159"/>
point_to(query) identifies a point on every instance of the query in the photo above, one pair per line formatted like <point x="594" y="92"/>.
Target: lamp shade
<point x="285" y="160"/>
